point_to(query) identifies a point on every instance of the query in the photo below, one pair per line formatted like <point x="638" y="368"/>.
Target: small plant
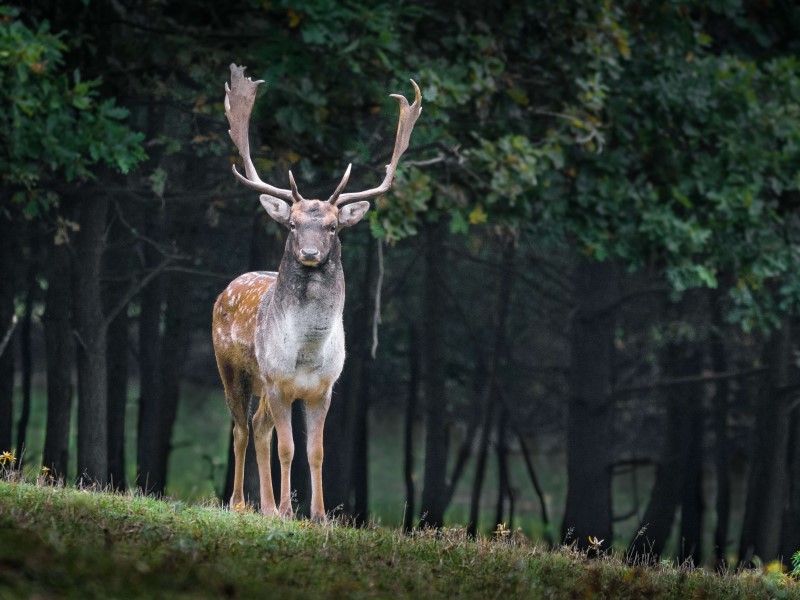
<point x="502" y="532"/>
<point x="796" y="564"/>
<point x="595" y="545"/>
<point x="7" y="462"/>
<point x="45" y="477"/>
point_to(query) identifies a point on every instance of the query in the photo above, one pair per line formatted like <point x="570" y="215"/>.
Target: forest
<point x="574" y="313"/>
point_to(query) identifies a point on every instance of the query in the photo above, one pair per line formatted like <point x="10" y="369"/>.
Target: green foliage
<point x="689" y="162"/>
<point x="664" y="137"/>
<point x="54" y="123"/>
<point x="71" y="543"/>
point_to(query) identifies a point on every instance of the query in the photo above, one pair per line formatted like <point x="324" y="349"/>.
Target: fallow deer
<point x="280" y="335"/>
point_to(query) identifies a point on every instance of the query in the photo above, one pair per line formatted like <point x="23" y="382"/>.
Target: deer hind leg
<point x="262" y="430"/>
<point x="315" y="422"/>
<point x="237" y="393"/>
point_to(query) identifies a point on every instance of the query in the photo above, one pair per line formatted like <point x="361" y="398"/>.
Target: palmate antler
<point x="239" y="100"/>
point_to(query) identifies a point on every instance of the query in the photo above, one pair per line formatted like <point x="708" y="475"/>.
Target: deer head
<point x="313" y="224"/>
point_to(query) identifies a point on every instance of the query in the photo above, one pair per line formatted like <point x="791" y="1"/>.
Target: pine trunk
<point x="117" y="262"/>
<point x="60" y="355"/>
<point x="767" y="483"/>
<point x="7" y="326"/>
<point x="589" y="421"/>
<point x="722" y="447"/>
<point x="91" y="348"/>
<point x="148" y="476"/>
<point x="434" y="485"/>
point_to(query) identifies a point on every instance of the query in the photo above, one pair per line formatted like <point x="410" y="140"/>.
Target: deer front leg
<point x="315" y="422"/>
<point x="262" y="431"/>
<point x="282" y="416"/>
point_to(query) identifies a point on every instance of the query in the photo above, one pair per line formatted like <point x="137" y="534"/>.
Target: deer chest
<point x="301" y="350"/>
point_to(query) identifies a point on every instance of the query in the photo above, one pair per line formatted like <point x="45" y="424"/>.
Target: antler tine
<point x="333" y="199"/>
<point x="239" y="99"/>
<point x="295" y="194"/>
<point x="405" y="124"/>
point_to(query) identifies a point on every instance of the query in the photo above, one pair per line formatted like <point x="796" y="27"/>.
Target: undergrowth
<point x="83" y="543"/>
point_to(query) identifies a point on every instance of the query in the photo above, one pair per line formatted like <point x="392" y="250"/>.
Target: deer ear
<point x="352" y="213"/>
<point x="277" y="209"/>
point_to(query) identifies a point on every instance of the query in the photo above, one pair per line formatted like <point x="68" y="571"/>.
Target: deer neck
<point x="311" y="290"/>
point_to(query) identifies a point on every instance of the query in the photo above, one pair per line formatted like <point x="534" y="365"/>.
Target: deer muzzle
<point x="310" y="257"/>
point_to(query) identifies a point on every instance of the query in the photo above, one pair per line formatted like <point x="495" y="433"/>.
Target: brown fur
<point x="233" y="333"/>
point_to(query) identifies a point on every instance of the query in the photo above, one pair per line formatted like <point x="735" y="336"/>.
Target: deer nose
<point x="309" y="253"/>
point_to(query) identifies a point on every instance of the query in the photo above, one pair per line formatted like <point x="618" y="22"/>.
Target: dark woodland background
<point x="583" y="286"/>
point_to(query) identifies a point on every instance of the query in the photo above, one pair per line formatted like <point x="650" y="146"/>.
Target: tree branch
<point x="9" y="333"/>
<point x="134" y="289"/>
<point x="707" y="378"/>
<point x="376" y="312"/>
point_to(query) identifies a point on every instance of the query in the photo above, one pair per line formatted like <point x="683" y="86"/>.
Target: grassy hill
<point x="57" y="542"/>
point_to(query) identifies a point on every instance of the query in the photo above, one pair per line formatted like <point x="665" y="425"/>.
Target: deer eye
<point x="333" y="228"/>
<point x="292" y="226"/>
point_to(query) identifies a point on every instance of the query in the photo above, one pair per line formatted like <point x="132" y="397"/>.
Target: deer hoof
<point x="319" y="518"/>
<point x="270" y="512"/>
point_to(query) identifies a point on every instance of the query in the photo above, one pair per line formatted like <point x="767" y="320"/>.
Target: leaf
<point x="519" y="96"/>
<point x="458" y="224"/>
<point x="158" y="181"/>
<point x="478" y="215"/>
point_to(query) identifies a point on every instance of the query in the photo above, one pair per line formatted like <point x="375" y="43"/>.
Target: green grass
<point x="68" y="543"/>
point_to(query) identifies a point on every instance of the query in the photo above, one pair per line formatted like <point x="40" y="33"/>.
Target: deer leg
<point x="315" y="421"/>
<point x="237" y="392"/>
<point x="282" y="415"/>
<point x="262" y="430"/>
<point x="240" y="438"/>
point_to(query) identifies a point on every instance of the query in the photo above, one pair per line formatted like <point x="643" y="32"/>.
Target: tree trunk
<point x="791" y="516"/>
<point x="719" y="364"/>
<point x="589" y="420"/>
<point x="117" y="357"/>
<point x="767" y="483"/>
<point x="548" y="537"/>
<point x="492" y="394"/>
<point x="433" y="338"/>
<point x="360" y="468"/>
<point x="60" y="354"/>
<point x="676" y="471"/>
<point x="691" y="533"/>
<point x="8" y="268"/>
<point x="148" y="476"/>
<point x="117" y="262"/>
<point x="175" y="350"/>
<point x="91" y="350"/>
<point x="25" y="347"/>
<point x="408" y="430"/>
<point x="503" y="482"/>
<point x="480" y="470"/>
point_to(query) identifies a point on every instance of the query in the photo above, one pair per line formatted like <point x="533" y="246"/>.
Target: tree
<point x="61" y="127"/>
